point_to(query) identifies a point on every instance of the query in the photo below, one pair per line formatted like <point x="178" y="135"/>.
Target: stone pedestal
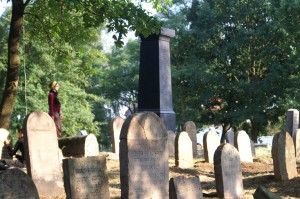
<point x="155" y="87"/>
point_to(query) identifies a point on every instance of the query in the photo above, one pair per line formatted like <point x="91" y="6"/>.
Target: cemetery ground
<point x="260" y="172"/>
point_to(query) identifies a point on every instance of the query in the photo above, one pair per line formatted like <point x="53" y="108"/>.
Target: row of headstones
<point x="48" y="173"/>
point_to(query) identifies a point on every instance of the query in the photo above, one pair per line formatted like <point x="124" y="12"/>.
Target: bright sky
<point x="4" y="5"/>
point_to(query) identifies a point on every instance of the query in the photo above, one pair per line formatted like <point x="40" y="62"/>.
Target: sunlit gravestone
<point x="115" y="130"/>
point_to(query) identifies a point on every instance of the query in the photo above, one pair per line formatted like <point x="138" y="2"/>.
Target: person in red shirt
<point x="54" y="107"/>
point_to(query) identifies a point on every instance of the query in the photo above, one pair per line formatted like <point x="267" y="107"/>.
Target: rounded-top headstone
<point x="16" y="184"/>
<point x="191" y="129"/>
<point x="115" y="130"/>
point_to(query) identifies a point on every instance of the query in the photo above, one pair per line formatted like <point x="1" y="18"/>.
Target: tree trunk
<point x="12" y="78"/>
<point x="254" y="130"/>
<point x="226" y="127"/>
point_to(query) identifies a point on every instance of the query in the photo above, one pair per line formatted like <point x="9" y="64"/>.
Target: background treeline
<point x="234" y="63"/>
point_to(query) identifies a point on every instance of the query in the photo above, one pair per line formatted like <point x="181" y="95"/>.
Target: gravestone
<point x="4" y="134"/>
<point x="211" y="141"/>
<point x="86" y="178"/>
<point x="155" y="86"/>
<point x="292" y="121"/>
<point x="243" y="145"/>
<point x="115" y="130"/>
<point x="229" y="137"/>
<point x="182" y="187"/>
<point x="79" y="146"/>
<point x="228" y="173"/>
<point x="15" y="184"/>
<point x="283" y="154"/>
<point x="263" y="193"/>
<point x="171" y="143"/>
<point x="183" y="151"/>
<point x="191" y="129"/>
<point x="42" y="154"/>
<point x="296" y="139"/>
<point x="144" y="166"/>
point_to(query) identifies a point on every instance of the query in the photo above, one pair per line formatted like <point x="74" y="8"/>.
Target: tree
<point x="53" y="16"/>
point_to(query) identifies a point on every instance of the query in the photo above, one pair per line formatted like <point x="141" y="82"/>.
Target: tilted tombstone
<point x="229" y="137"/>
<point x="86" y="177"/>
<point x="144" y="166"/>
<point x="228" y="173"/>
<point x="191" y="129"/>
<point x="182" y="187"/>
<point x="4" y="134"/>
<point x="243" y="145"/>
<point x="42" y="154"/>
<point x="16" y="184"/>
<point x="115" y="130"/>
<point x="183" y="151"/>
<point x="292" y="121"/>
<point x="211" y="141"/>
<point x="79" y="146"/>
<point x="171" y="143"/>
<point x="283" y="154"/>
<point x="296" y="139"/>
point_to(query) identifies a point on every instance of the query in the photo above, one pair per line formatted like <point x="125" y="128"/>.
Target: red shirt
<point x="53" y="102"/>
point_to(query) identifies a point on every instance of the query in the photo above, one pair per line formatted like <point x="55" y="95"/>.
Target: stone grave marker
<point x="115" y="130"/>
<point x="191" y="129"/>
<point x="42" y="154"/>
<point x="144" y="166"/>
<point x="79" y="146"/>
<point x="292" y="121"/>
<point x="171" y="143"/>
<point x="183" y="151"/>
<point x="296" y="139"/>
<point x="3" y="151"/>
<point x="182" y="187"/>
<point x="86" y="178"/>
<point x="228" y="173"/>
<point x="283" y="154"/>
<point x="243" y="145"/>
<point x="211" y="141"/>
<point x="15" y="184"/>
<point x="229" y="137"/>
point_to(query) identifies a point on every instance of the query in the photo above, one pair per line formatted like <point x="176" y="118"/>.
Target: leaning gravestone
<point x="228" y="173"/>
<point x="191" y="129"/>
<point x="86" y="178"/>
<point x="16" y="184"/>
<point x="115" y="130"/>
<point x="3" y="151"/>
<point x="243" y="145"/>
<point x="211" y="141"/>
<point x="79" y="146"/>
<point x="182" y="187"/>
<point x="183" y="151"/>
<point x="283" y="154"/>
<point x="292" y="121"/>
<point x="296" y="139"/>
<point x="171" y="143"/>
<point x="229" y="137"/>
<point x="42" y="154"/>
<point x="144" y="168"/>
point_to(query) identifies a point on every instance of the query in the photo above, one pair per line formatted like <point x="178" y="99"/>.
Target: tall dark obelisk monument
<point x="155" y="87"/>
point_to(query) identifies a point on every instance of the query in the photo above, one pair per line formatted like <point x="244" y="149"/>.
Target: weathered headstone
<point x="296" y="139"/>
<point x="263" y="193"/>
<point x="182" y="187"/>
<point x="229" y="137"/>
<point x="3" y="136"/>
<point x="183" y="151"/>
<point x="16" y="184"/>
<point x="42" y="154"/>
<point x="191" y="129"/>
<point x="115" y="130"/>
<point x="228" y="173"/>
<point x="283" y="154"/>
<point x="243" y="145"/>
<point x="86" y="178"/>
<point x="155" y="86"/>
<point x="292" y="121"/>
<point x="171" y="143"/>
<point x="144" y="167"/>
<point x="211" y="141"/>
<point x="79" y="146"/>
